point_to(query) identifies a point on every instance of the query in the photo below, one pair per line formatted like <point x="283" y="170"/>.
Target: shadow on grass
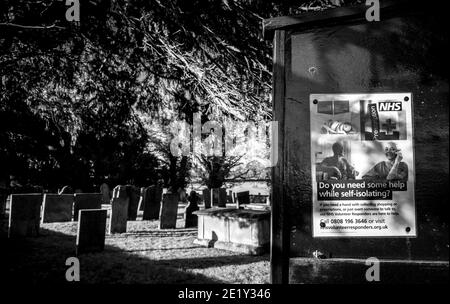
<point x="41" y="260"/>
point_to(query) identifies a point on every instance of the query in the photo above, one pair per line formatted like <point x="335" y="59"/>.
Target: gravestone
<point x="222" y="197"/>
<point x="142" y="198"/>
<point x="207" y="198"/>
<point x="169" y="211"/>
<point x="133" y="204"/>
<point x="190" y="219"/>
<point x="152" y="203"/>
<point x="57" y="208"/>
<point x="120" y="191"/>
<point x="219" y="198"/>
<point x="182" y="196"/>
<point x="3" y="199"/>
<point x="91" y="231"/>
<point x="230" y="197"/>
<point x="86" y="201"/>
<point x="66" y="190"/>
<point x="24" y="215"/>
<point x="259" y="199"/>
<point x="104" y="190"/>
<point x="119" y="215"/>
<point x="243" y="197"/>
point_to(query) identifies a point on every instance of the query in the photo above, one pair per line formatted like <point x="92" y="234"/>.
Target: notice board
<point x="337" y="56"/>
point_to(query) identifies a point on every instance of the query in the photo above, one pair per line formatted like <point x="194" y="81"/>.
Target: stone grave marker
<point x="215" y="197"/>
<point x="142" y="198"/>
<point x="24" y="215"/>
<point x="104" y="190"/>
<point x="219" y="197"/>
<point x="133" y="204"/>
<point x="86" y="201"/>
<point x="169" y="211"/>
<point x="3" y="199"/>
<point x="230" y="197"/>
<point x="243" y="197"/>
<point x="207" y="198"/>
<point x="190" y="219"/>
<point x="119" y="215"/>
<point x="222" y="197"/>
<point x="66" y="190"/>
<point x="152" y="203"/>
<point x="91" y="231"/>
<point x="119" y="191"/>
<point x="57" y="208"/>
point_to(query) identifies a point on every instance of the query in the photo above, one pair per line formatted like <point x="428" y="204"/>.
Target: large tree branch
<point x="31" y="27"/>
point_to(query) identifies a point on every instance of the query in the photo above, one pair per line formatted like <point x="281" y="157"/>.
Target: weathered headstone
<point x="142" y="198"/>
<point x="66" y="190"/>
<point x="190" y="219"/>
<point x="219" y="197"/>
<point x="182" y="196"/>
<point x="119" y="215"/>
<point x="230" y="197"/>
<point x="169" y="211"/>
<point x="243" y="197"/>
<point x="57" y="208"/>
<point x="91" y="231"/>
<point x="215" y="197"/>
<point x="104" y="190"/>
<point x="259" y="199"/>
<point x="3" y="198"/>
<point x="86" y="201"/>
<point x="207" y="198"/>
<point x="152" y="203"/>
<point x="222" y="197"/>
<point x="24" y="215"/>
<point x="120" y="191"/>
<point x="133" y="204"/>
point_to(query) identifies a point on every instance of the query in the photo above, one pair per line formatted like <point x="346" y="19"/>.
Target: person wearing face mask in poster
<point x="391" y="169"/>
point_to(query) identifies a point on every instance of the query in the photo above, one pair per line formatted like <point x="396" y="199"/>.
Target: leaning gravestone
<point x="243" y="197"/>
<point x="190" y="219"/>
<point x="152" y="203"/>
<point x="104" y="190"/>
<point x="24" y="215"/>
<point x="119" y="215"/>
<point x="207" y="198"/>
<point x="86" y="201"/>
<point x="57" y="208"/>
<point x="66" y="190"/>
<point x="133" y="195"/>
<point x="169" y="211"/>
<point x="91" y="231"/>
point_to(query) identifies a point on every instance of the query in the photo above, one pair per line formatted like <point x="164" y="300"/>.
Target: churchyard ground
<point x="145" y="254"/>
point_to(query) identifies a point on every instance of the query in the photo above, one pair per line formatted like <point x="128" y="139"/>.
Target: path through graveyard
<point x="145" y="254"/>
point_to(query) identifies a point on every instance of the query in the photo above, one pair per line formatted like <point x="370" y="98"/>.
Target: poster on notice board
<point x="362" y="163"/>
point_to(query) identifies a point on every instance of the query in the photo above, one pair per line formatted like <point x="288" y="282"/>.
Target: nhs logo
<point x="390" y="106"/>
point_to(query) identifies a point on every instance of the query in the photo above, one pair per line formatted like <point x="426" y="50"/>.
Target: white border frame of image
<point x="409" y="119"/>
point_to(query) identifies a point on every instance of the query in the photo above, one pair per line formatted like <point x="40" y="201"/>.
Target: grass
<point x="144" y="255"/>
